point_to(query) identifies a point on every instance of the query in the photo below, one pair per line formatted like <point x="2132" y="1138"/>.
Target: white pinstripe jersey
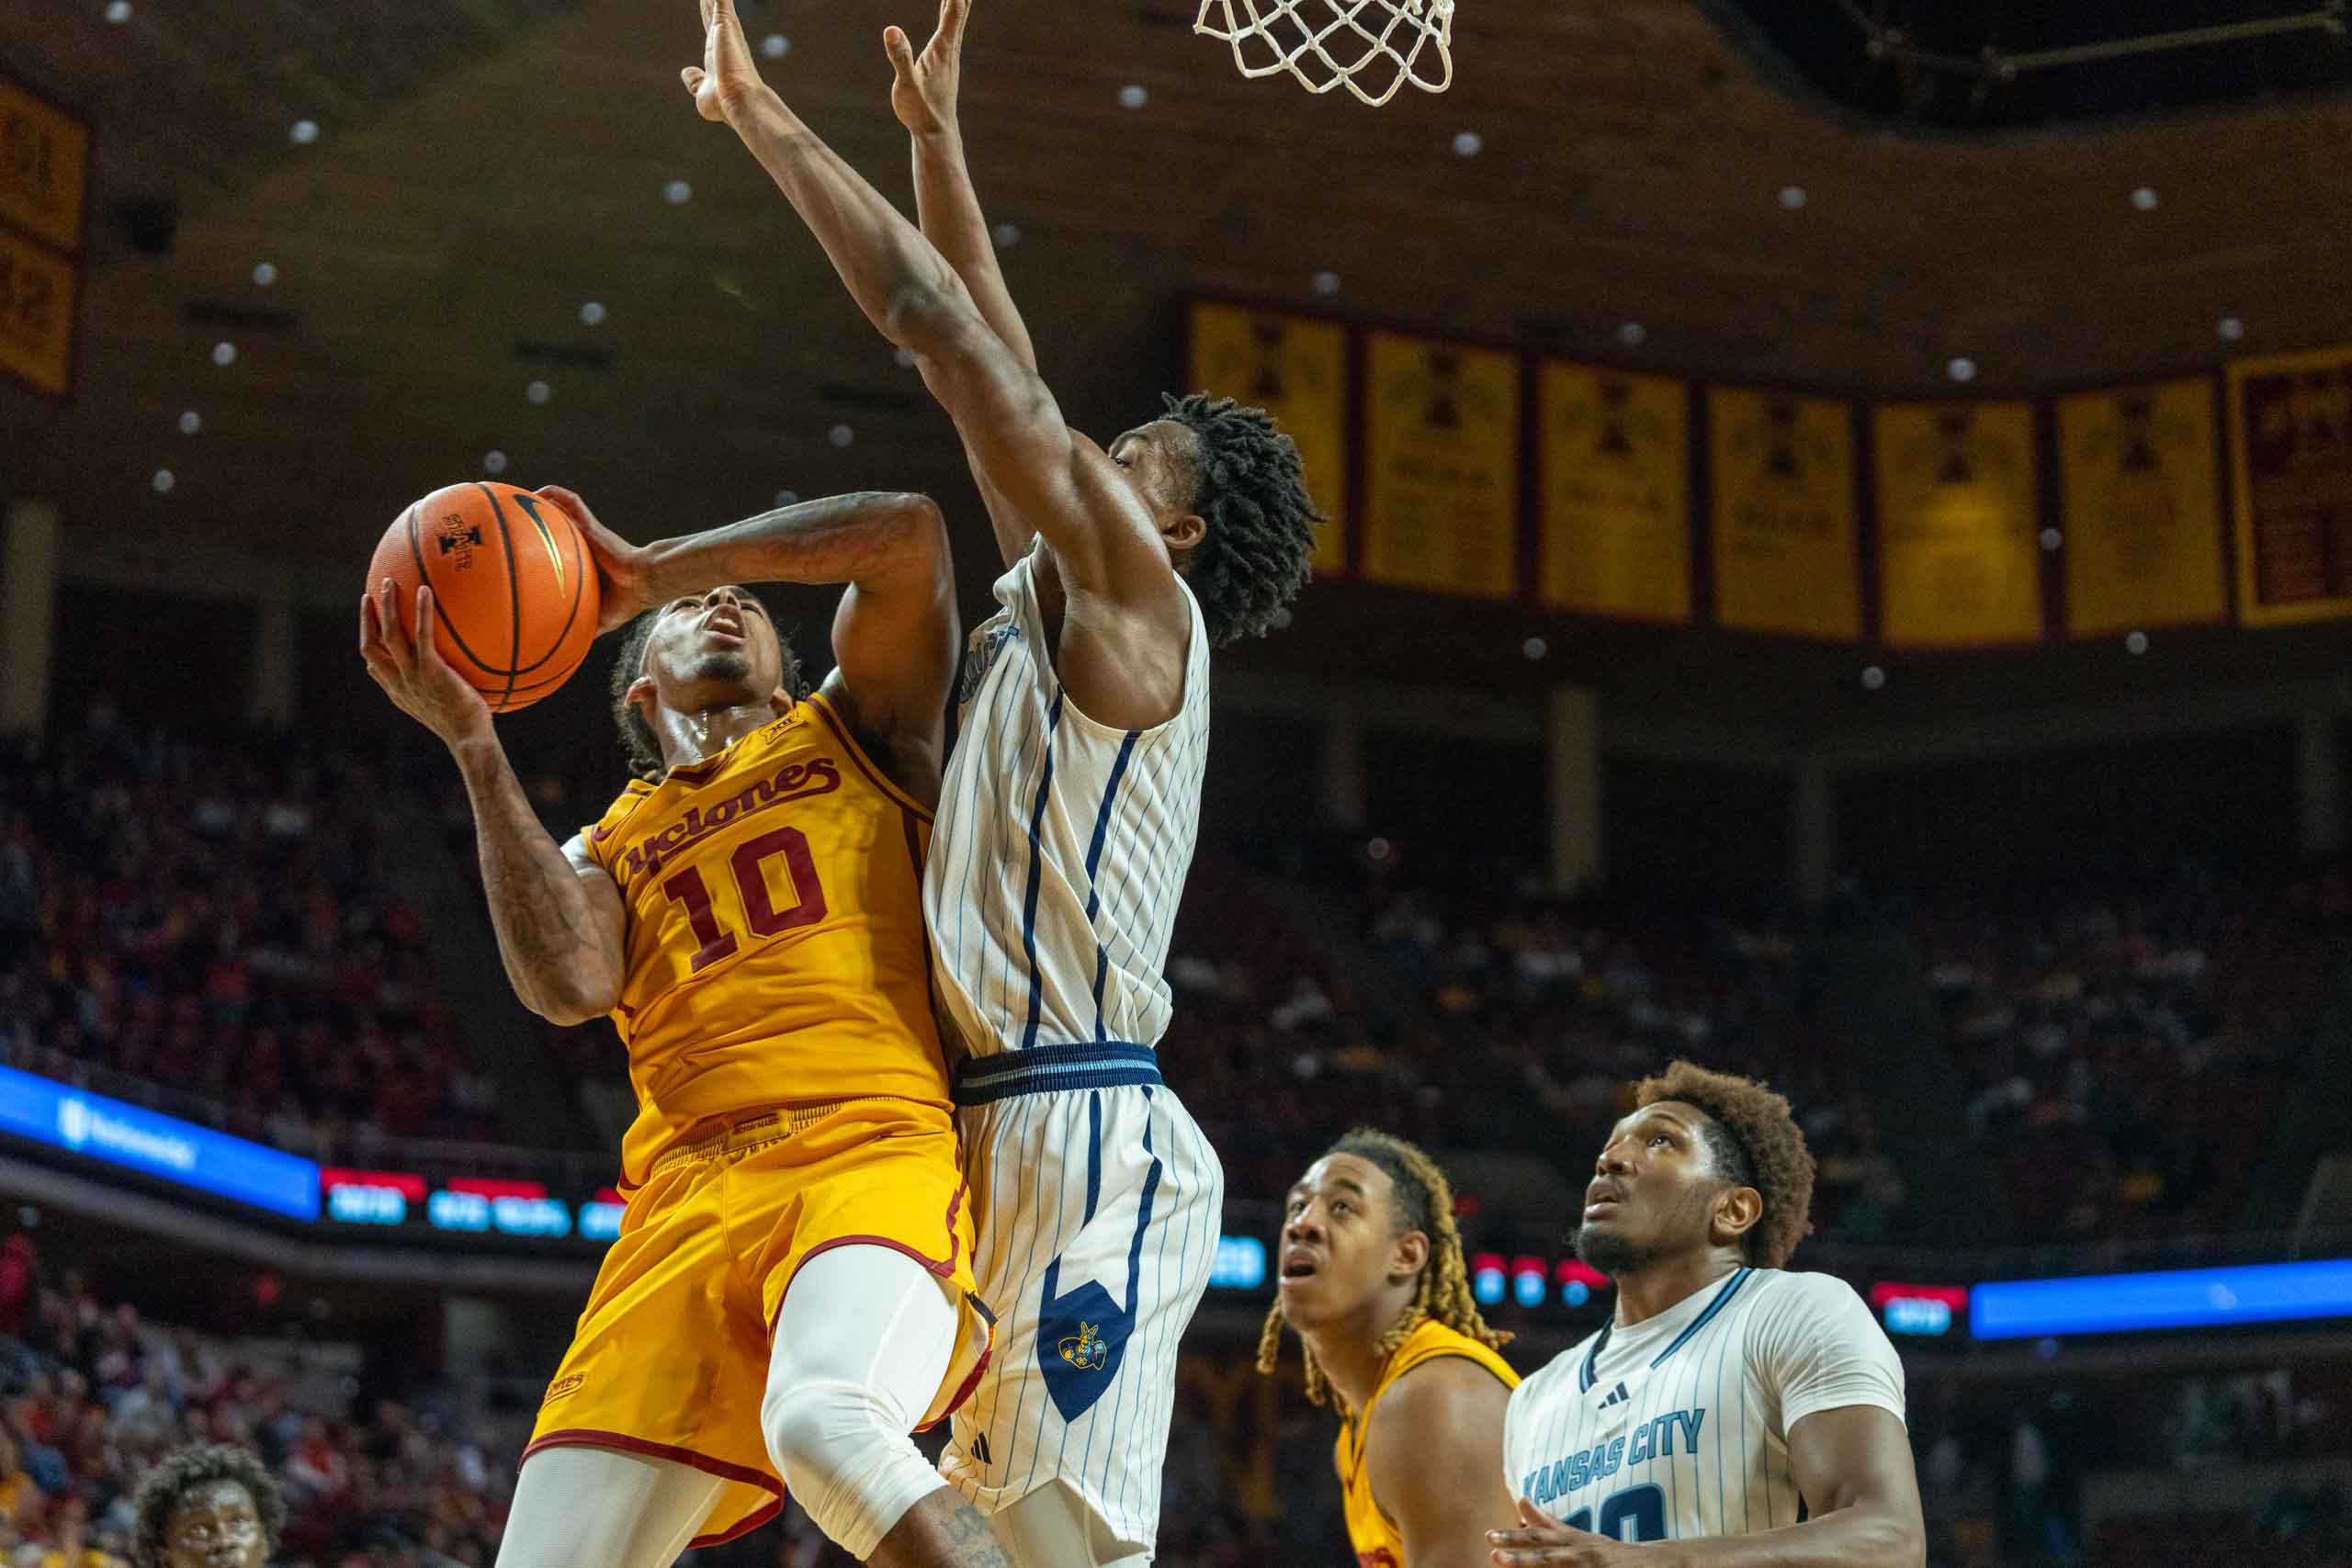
<point x="1059" y="853"/>
<point x="1676" y="1429"/>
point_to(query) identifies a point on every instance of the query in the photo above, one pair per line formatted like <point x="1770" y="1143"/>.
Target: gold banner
<point x="44" y="163"/>
<point x="1442" y="484"/>
<point x="1616" y="493"/>
<point x="1297" y="369"/>
<point x="37" y="292"/>
<point x="2291" y="427"/>
<point x="1960" y="561"/>
<point x="1785" y="525"/>
<point x="2143" y="506"/>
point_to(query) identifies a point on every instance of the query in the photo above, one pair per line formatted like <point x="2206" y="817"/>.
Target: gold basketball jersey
<point x="1370" y="1531"/>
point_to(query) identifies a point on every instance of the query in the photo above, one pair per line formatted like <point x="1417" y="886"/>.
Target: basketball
<point x="513" y="583"/>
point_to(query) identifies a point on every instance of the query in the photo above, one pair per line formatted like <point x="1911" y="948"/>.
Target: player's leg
<point x="1053" y="1527"/>
<point x="586" y="1505"/>
<point x="863" y="1342"/>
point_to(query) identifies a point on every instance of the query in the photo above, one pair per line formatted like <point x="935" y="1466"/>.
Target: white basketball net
<point x="1370" y="47"/>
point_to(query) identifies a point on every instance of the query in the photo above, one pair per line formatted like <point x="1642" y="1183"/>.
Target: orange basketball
<point x="513" y="583"/>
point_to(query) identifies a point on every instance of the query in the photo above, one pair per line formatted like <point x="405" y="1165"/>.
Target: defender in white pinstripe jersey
<point x="1726" y="1401"/>
<point x="1058" y="858"/>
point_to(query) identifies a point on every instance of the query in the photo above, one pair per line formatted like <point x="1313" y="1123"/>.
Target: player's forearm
<point x="546" y="932"/>
<point x="866" y="538"/>
<point x="949" y="208"/>
<point x="1863" y="1535"/>
<point x="898" y="278"/>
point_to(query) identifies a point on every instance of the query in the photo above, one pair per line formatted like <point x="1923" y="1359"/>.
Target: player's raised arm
<point x="557" y="914"/>
<point x="1013" y="429"/>
<point x="894" y="635"/>
<point x="924" y="95"/>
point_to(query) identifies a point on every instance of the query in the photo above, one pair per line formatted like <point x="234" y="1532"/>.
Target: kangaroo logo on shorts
<point x="1089" y="1336"/>
<point x="1086" y="1349"/>
<point x="980" y="657"/>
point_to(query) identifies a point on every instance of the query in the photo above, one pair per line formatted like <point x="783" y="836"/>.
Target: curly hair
<point x="1252" y="493"/>
<point x="639" y="742"/>
<point x="1755" y="1141"/>
<point x="1423" y="1201"/>
<point x="179" y="1475"/>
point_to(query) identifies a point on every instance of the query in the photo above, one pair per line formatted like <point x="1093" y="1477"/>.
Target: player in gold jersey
<point x="1373" y="1281"/>
<point x="791" y="1290"/>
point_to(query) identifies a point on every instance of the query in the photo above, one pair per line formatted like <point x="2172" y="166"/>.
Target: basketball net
<point x="1370" y="47"/>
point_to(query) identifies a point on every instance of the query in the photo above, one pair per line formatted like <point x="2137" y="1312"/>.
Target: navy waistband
<point x="1048" y="1069"/>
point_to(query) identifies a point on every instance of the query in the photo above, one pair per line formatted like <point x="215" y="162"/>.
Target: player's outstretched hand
<point x="727" y="79"/>
<point x="413" y="674"/>
<point x="625" y="572"/>
<point x="1545" y="1542"/>
<point x="924" y="93"/>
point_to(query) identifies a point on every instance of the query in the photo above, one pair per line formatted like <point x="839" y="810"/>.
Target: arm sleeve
<point x="1821" y="1349"/>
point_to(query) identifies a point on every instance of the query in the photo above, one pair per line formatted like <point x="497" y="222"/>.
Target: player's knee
<point x="844" y="1453"/>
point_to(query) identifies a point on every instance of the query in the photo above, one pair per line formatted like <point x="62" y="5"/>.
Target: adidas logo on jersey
<point x="1616" y="1396"/>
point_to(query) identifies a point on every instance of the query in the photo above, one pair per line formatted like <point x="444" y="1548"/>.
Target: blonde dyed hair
<point x="1423" y="1201"/>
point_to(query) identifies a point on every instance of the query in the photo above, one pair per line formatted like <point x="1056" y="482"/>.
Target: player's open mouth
<point x="1298" y="1267"/>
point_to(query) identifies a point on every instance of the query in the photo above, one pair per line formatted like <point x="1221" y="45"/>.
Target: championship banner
<point x="1785" y="525"/>
<point x="37" y="290"/>
<point x="2291" y="427"/>
<point x="2137" y="467"/>
<point x="45" y="168"/>
<point x="1616" y="537"/>
<point x="1960" y="562"/>
<point x="1441" y="500"/>
<point x="1297" y="369"/>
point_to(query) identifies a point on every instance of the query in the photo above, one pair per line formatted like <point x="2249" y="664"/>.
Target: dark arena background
<point x="1839" y="569"/>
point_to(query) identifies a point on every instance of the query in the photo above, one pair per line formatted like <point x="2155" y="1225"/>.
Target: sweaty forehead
<point x="1693" y="1120"/>
<point x="214" y="1497"/>
<point x="1352" y="1170"/>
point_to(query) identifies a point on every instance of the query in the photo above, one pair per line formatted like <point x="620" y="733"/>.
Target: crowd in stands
<point x="2125" y="1054"/>
<point x="213" y="916"/>
<point x="92" y="1395"/>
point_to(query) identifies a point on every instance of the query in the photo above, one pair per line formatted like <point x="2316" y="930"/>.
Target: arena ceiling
<point x="484" y="168"/>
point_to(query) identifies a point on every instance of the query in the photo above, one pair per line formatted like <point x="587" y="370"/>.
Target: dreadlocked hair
<point x="1252" y="493"/>
<point x="639" y="742"/>
<point x="1424" y="1203"/>
<point x="179" y="1476"/>
<point x="1755" y="1141"/>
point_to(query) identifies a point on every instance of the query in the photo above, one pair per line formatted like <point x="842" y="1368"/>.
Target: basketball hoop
<point x="1370" y="47"/>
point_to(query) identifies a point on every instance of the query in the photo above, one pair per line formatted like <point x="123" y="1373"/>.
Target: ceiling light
<point x="1792" y="197"/>
<point x="1007" y="236"/>
<point x="117" y="11"/>
<point x="264" y="274"/>
<point x="1468" y="144"/>
<point x="592" y="314"/>
<point x="775" y="46"/>
<point x="2136" y="643"/>
<point x="1133" y="98"/>
<point x="787" y="498"/>
<point x="494" y="461"/>
<point x="224" y="353"/>
<point x="164" y="481"/>
<point x="190" y="423"/>
<point x="1534" y="647"/>
<point x="841" y="436"/>
<point x="1327" y="284"/>
<point x="1872" y="678"/>
<point x="677" y="193"/>
<point x="2051" y="539"/>
<point x="2231" y="328"/>
<point x="904" y="359"/>
<point x="538" y="391"/>
<point x="304" y="132"/>
<point x="1631" y="334"/>
<point x="2144" y="198"/>
<point x="1961" y="369"/>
